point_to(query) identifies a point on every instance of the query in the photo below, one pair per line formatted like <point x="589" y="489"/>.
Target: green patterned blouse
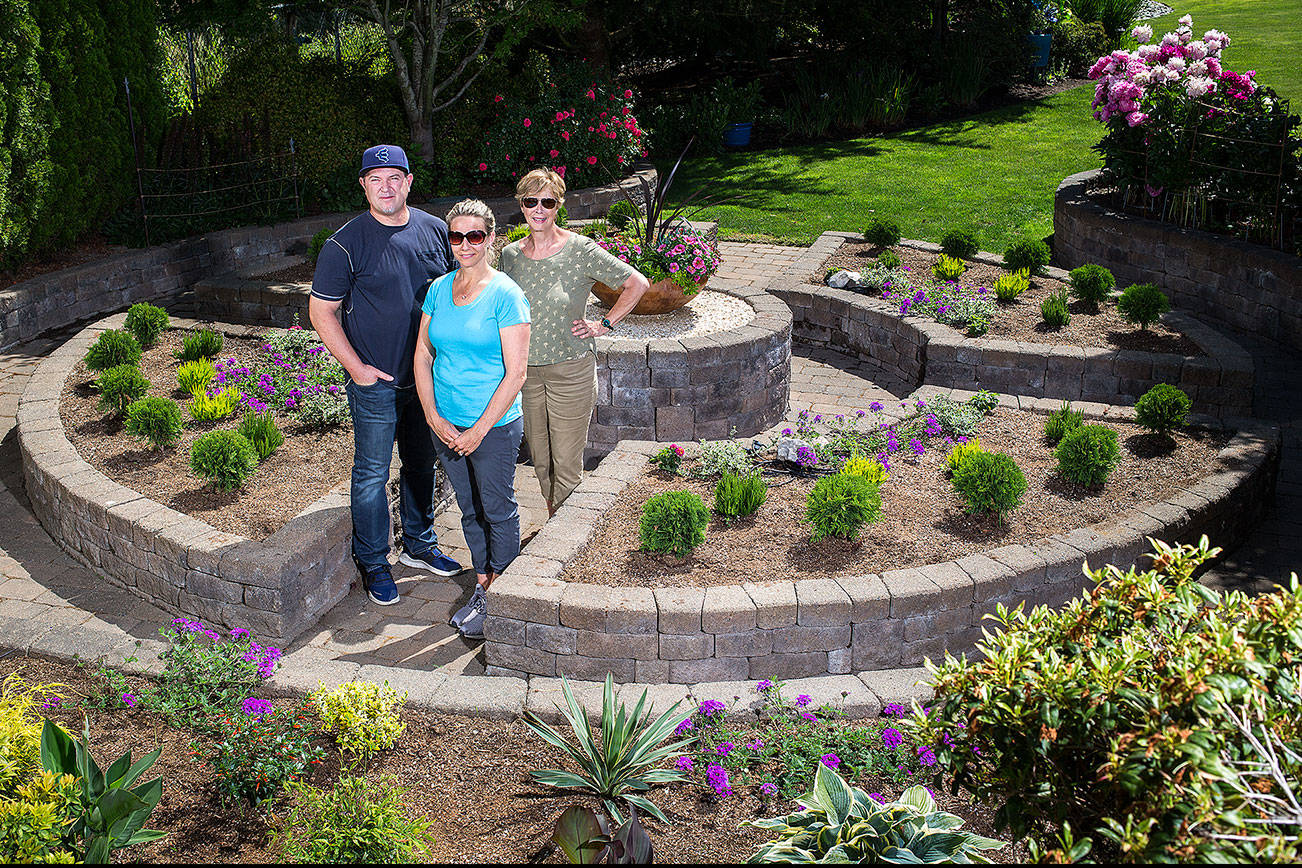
<point x="557" y="288"/>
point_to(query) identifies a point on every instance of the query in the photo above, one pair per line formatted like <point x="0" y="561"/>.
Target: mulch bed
<point x="309" y="463"/>
<point x="1021" y="320"/>
<point x="923" y="519"/>
<point x="469" y="777"/>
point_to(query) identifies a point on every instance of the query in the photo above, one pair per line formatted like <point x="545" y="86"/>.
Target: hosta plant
<point x="841" y="823"/>
<point x="585" y="837"/>
<point x="623" y="762"/>
<point x="1111" y="714"/>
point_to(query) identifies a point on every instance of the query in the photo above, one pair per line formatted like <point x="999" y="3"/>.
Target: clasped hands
<point x="460" y="442"/>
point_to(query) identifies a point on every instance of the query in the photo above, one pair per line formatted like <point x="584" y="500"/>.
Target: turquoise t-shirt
<point x="467" y="343"/>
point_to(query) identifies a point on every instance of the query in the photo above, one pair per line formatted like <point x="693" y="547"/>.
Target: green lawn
<point x="994" y="173"/>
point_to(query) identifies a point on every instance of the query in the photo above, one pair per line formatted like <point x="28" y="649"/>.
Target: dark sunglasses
<point x="474" y="236"/>
<point x="530" y="201"/>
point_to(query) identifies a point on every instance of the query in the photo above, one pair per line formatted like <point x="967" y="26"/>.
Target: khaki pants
<point x="557" y="402"/>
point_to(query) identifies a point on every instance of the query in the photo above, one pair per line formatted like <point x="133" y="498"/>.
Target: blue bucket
<point x="1041" y="43"/>
<point x="736" y="135"/>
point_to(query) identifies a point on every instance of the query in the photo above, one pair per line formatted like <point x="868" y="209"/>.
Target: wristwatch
<point x="608" y="324"/>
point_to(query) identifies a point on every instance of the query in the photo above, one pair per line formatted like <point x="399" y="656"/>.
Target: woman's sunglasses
<point x="531" y="201"/>
<point x="474" y="236"/>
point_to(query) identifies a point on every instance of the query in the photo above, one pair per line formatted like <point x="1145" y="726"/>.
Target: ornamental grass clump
<point x="1027" y="253"/>
<point x="959" y="244"/>
<point x="1009" y="286"/>
<point x="1116" y="714"/>
<point x="882" y="232"/>
<point x="1162" y="409"/>
<point x="146" y="322"/>
<point x="739" y="496"/>
<point x="224" y="458"/>
<point x="840" y="823"/>
<point x="260" y="430"/>
<point x="1061" y="422"/>
<point x="1054" y="310"/>
<point x="357" y="821"/>
<point x="20" y="729"/>
<point x="256" y="751"/>
<point x="1143" y="304"/>
<point x="673" y="521"/>
<point x="1091" y="284"/>
<point x="112" y="348"/>
<point x="624" y="761"/>
<point x="516" y="232"/>
<point x="155" y="420"/>
<point x="889" y="259"/>
<point x="948" y="268"/>
<point x="362" y="716"/>
<point x="194" y="377"/>
<point x="841" y="505"/>
<point x="1088" y="454"/>
<point x="119" y="386"/>
<point x="990" y="482"/>
<point x="203" y="344"/>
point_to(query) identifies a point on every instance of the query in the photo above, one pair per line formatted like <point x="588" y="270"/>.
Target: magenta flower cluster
<point x="254" y="706"/>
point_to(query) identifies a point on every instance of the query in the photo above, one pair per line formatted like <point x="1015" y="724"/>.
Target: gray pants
<point x="484" y="482"/>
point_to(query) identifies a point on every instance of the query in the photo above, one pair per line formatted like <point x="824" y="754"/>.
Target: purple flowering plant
<point x="292" y="376"/>
<point x="208" y="672"/>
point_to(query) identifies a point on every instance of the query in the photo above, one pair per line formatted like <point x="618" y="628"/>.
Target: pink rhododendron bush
<point x="1187" y="134"/>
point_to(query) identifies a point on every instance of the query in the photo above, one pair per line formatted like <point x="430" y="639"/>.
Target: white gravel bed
<point x="709" y="312"/>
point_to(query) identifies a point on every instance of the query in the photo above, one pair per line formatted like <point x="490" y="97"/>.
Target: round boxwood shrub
<point x="1142" y="304"/>
<point x="119" y="386"/>
<point x="112" y="348"/>
<point x="621" y="214"/>
<point x="1088" y="454"/>
<point x="146" y="322"/>
<point x="224" y="458"/>
<point x="1027" y="253"/>
<point x="989" y="482"/>
<point x="155" y="420"/>
<point x="674" y="521"/>
<point x="842" y="504"/>
<point x="1091" y="283"/>
<point x="1162" y="408"/>
<point x="1061" y="422"/>
<point x="960" y="244"/>
<point x="882" y="232"/>
<point x="315" y="246"/>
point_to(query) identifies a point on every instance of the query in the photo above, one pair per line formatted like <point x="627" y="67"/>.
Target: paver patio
<point x="49" y="598"/>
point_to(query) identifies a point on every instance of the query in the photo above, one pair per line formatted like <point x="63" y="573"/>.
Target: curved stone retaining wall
<point x="54" y="300"/>
<point x="917" y="349"/>
<point x="278" y="587"/>
<point x="539" y="624"/>
<point x="1246" y="285"/>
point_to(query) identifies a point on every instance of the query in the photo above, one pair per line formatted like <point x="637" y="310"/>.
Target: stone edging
<point x="276" y="588"/>
<point x="918" y="349"/>
<point x="1249" y="286"/>
<point x="541" y="625"/>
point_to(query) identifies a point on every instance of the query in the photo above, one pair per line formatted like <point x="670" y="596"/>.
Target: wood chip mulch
<point x="308" y="464"/>
<point x="1021" y="320"/>
<point x="923" y="519"/>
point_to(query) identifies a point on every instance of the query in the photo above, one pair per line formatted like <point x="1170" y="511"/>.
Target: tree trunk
<point x="422" y="138"/>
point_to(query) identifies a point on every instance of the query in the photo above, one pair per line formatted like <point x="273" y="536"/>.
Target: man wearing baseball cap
<point x="366" y="302"/>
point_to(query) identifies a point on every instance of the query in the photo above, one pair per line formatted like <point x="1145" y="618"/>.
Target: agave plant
<point x="624" y="762"/>
<point x="841" y="823"/>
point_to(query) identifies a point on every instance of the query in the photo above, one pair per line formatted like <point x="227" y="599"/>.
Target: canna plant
<point x="841" y="823"/>
<point x="624" y="762"/>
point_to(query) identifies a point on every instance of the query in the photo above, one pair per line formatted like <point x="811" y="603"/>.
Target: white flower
<point x="1197" y="87"/>
<point x="1198" y="68"/>
<point x="1170" y="39"/>
<point x="1186" y="21"/>
<point x="1147" y="52"/>
<point x="1175" y="63"/>
<point x="1142" y="33"/>
<point x="1185" y="35"/>
<point x="1196" y="50"/>
<point x="1143" y="78"/>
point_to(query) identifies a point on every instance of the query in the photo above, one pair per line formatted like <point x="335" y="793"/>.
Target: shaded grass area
<point x="993" y="174"/>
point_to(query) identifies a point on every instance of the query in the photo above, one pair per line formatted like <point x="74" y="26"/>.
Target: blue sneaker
<point x="432" y="560"/>
<point x="380" y="586"/>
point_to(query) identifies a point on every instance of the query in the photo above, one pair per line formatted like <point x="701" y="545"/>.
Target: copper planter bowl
<point x="664" y="296"/>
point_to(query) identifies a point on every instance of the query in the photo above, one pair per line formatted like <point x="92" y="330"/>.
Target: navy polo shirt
<point x="380" y="274"/>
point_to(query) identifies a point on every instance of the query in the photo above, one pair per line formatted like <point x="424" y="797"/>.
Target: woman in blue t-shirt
<point x="470" y="364"/>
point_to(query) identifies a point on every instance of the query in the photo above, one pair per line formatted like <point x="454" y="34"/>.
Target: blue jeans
<point x="484" y="482"/>
<point x="382" y="414"/>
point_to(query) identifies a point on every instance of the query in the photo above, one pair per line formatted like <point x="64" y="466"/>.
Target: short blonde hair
<point x="542" y="179"/>
<point x="475" y="208"/>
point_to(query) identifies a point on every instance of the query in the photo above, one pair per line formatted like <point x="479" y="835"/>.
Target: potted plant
<point x="1044" y="15"/>
<point x="674" y="255"/>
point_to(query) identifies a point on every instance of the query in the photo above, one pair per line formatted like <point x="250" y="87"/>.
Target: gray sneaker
<point x="461" y="614"/>
<point x="472" y="626"/>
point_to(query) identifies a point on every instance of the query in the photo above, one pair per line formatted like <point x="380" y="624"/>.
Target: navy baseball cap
<point x="384" y="157"/>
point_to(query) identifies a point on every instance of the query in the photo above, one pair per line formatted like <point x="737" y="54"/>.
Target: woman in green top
<point x="556" y="269"/>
